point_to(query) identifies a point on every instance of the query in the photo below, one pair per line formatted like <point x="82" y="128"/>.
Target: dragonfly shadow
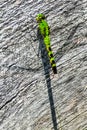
<point x="46" y="65"/>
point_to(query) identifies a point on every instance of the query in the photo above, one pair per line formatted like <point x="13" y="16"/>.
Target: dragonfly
<point x="45" y="32"/>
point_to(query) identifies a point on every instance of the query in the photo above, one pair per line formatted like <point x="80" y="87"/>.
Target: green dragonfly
<point x="45" y="32"/>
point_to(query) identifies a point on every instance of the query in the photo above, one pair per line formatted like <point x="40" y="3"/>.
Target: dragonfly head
<point x="40" y="17"/>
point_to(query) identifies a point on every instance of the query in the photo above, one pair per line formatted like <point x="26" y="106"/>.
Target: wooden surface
<point x="30" y="97"/>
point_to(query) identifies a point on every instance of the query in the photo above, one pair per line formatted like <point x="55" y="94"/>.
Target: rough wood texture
<point x="30" y="99"/>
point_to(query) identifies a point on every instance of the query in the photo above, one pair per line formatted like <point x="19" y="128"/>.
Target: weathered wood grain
<point x="30" y="99"/>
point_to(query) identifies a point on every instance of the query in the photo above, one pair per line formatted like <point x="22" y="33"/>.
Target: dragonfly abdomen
<point x="52" y="60"/>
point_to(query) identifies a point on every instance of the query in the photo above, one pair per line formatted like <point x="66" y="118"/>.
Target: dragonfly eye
<point x="40" y="17"/>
